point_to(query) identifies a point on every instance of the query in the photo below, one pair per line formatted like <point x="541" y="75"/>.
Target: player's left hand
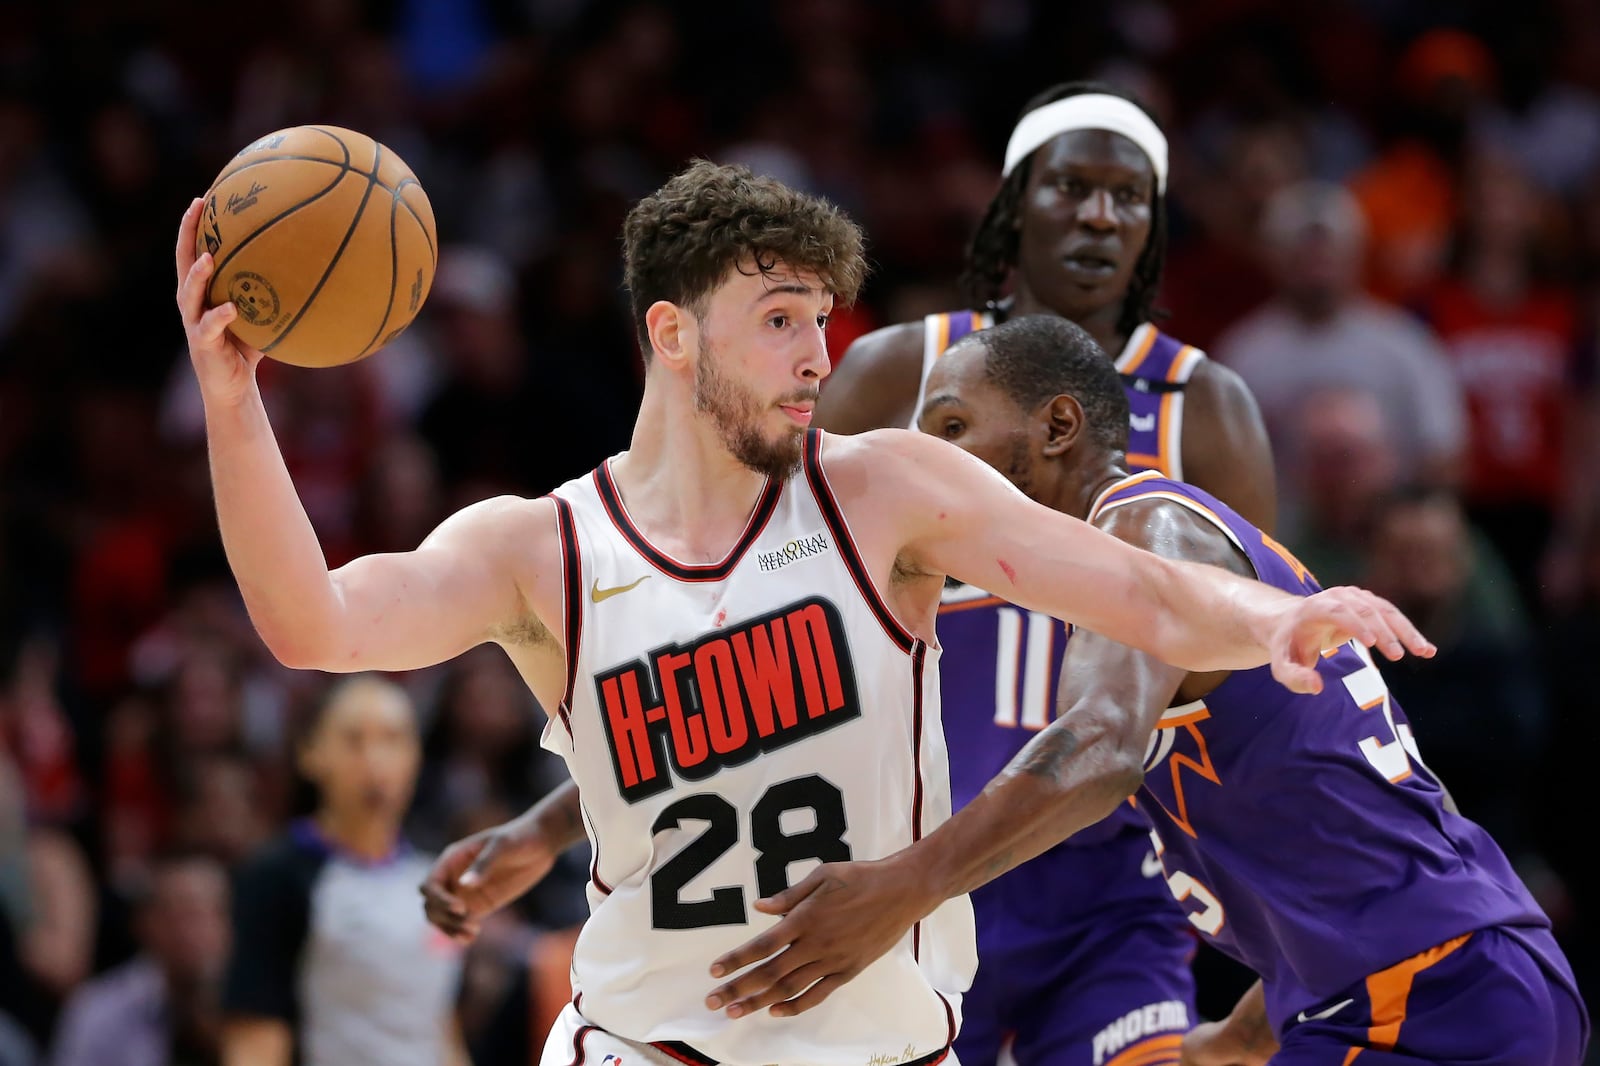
<point x="838" y="921"/>
<point x="1319" y="623"/>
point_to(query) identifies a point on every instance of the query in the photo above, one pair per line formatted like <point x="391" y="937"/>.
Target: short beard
<point x="735" y="412"/>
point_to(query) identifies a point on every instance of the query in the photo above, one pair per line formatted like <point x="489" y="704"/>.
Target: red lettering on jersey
<point x="727" y="697"/>
<point x="819" y="668"/>
<point x="689" y="746"/>
<point x="718" y="680"/>
<point x="768" y="675"/>
<point x="630" y="735"/>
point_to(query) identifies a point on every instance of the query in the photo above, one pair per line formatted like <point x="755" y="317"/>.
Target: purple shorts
<point x="1083" y="960"/>
<point x="1499" y="997"/>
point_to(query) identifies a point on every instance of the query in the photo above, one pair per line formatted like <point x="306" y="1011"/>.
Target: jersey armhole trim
<point x="572" y="598"/>
<point x="834" y="517"/>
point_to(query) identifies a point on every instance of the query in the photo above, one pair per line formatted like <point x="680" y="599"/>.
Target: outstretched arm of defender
<point x="383" y="612"/>
<point x="967" y="521"/>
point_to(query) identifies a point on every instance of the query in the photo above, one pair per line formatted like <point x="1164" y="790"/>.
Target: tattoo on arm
<point x="1048" y="753"/>
<point x="1256" y="1033"/>
<point x="999" y="865"/>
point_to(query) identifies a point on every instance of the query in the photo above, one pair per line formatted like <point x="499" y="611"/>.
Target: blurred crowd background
<point x="1385" y="214"/>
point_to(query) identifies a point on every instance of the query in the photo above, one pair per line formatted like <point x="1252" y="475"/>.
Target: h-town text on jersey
<point x="727" y="696"/>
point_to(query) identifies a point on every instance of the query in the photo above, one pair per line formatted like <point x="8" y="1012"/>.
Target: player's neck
<point x="1083" y="484"/>
<point x="1102" y="325"/>
<point x="678" y="480"/>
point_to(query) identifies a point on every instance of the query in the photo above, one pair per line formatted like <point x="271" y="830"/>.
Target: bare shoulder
<point x="501" y="521"/>
<point x="875" y="383"/>
<point x="877" y="459"/>
<point x="518" y="539"/>
<point x="1226" y="450"/>
<point x="1216" y="385"/>
<point x="911" y="478"/>
<point x="1174" y="531"/>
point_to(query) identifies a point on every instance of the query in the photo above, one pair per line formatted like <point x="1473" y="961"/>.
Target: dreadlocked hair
<point x="992" y="253"/>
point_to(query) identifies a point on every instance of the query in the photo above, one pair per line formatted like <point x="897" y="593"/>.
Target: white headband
<point x="1088" y="111"/>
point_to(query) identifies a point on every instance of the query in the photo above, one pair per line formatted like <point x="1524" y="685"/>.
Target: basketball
<point x="325" y="242"/>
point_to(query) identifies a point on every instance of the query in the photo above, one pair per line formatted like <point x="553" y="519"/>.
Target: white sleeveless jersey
<point x="730" y="726"/>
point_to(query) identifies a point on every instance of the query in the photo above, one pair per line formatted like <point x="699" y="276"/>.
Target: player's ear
<point x="1063" y="424"/>
<point x="669" y="339"/>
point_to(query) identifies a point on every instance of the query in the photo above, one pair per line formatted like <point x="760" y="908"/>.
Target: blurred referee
<point x="334" y="963"/>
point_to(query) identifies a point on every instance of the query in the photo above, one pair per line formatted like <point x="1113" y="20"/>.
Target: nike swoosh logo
<point x="1151" y="867"/>
<point x="1321" y="1014"/>
<point x="599" y="595"/>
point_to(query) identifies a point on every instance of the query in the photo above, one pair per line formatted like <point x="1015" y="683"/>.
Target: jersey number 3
<point x="775" y="849"/>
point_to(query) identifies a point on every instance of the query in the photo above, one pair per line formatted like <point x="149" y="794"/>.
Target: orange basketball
<point x="324" y="241"/>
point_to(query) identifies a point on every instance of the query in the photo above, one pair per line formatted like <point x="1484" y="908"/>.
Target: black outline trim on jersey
<point x="579" y="1052"/>
<point x="684" y="1053"/>
<point x="834" y="517"/>
<point x="919" y="657"/>
<point x="611" y="499"/>
<point x="572" y="599"/>
<point x="677" y="1049"/>
<point x="594" y="858"/>
<point x="1152" y="386"/>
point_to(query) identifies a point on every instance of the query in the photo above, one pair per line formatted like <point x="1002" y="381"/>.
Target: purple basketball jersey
<point x="1082" y="954"/>
<point x="1000" y="663"/>
<point x="1303" y="835"/>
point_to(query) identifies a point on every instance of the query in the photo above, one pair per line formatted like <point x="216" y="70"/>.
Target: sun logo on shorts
<point x="611" y="1060"/>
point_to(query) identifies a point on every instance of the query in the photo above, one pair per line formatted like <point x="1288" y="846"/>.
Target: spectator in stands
<point x="1477" y="706"/>
<point x="1321" y="332"/>
<point x="162" y="1007"/>
<point x="1512" y="334"/>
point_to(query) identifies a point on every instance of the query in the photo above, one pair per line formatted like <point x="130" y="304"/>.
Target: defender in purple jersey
<point x="1302" y="834"/>
<point x="1077" y="228"/>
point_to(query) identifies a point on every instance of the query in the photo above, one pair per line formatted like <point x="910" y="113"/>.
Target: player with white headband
<point x="1083" y="956"/>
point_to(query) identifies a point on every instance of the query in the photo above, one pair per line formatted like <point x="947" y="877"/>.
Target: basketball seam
<point x="299" y="316"/>
<point x="395" y="190"/>
<point x="242" y="167"/>
<point x="244" y="242"/>
<point x="394" y="277"/>
<point x="423" y="226"/>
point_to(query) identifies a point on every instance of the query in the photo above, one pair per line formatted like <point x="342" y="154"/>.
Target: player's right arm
<point x="875" y="384"/>
<point x="478" y="875"/>
<point x="382" y="612"/>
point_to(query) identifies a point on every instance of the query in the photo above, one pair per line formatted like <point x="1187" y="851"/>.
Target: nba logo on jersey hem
<point x="727" y="696"/>
<point x="794" y="551"/>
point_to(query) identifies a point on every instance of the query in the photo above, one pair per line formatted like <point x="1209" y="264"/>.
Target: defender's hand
<point x="1315" y="624"/>
<point x="839" y="920"/>
<point x="1213" y="1044"/>
<point x="225" y="366"/>
<point x="477" y="876"/>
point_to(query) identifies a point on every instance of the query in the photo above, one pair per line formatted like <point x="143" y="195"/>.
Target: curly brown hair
<point x="680" y="242"/>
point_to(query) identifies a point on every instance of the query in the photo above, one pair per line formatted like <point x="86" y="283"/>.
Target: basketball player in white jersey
<point x="732" y="623"/>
